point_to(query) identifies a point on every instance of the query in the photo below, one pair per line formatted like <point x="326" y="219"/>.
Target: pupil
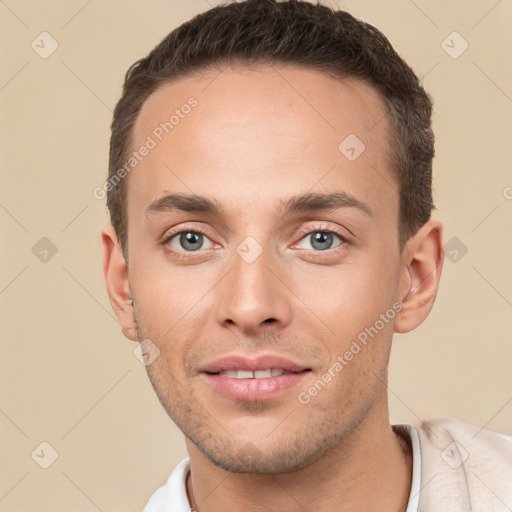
<point x="191" y="241"/>
<point x="321" y="240"/>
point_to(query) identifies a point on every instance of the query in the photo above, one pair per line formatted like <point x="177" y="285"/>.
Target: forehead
<point x="244" y="133"/>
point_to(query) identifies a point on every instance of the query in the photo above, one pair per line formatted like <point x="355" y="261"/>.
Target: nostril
<point x="270" y="320"/>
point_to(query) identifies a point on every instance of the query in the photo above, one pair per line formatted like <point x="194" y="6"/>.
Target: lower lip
<point x="252" y="390"/>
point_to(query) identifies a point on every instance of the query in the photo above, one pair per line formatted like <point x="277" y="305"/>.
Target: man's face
<point x="257" y="286"/>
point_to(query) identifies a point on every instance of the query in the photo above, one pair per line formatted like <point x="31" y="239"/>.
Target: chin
<point x="282" y="456"/>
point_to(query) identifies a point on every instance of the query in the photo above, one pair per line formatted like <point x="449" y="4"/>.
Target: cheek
<point x="348" y="298"/>
<point x="168" y="298"/>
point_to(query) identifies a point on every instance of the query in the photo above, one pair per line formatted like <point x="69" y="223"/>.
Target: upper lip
<point x="243" y="362"/>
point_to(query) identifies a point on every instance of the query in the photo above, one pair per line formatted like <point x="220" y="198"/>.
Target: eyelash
<point x="303" y="232"/>
<point x="185" y="255"/>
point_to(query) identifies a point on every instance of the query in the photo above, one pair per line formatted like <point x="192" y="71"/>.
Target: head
<point x="279" y="211"/>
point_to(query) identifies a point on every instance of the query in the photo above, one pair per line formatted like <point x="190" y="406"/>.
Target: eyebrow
<point x="301" y="203"/>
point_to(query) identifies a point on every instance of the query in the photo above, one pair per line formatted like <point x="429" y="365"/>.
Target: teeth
<point x="246" y="374"/>
<point x="262" y="374"/>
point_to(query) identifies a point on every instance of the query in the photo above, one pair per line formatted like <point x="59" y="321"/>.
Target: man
<point x="270" y="198"/>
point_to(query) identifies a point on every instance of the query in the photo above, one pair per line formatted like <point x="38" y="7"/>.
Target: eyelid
<point x="177" y="237"/>
<point x="170" y="234"/>
<point x="305" y="231"/>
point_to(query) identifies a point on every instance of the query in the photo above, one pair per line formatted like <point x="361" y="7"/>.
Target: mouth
<point x="248" y="374"/>
<point x="240" y="378"/>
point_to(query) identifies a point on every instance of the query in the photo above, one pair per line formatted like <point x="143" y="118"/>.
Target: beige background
<point x="68" y="377"/>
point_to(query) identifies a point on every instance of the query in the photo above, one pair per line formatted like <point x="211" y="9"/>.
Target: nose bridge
<point x="252" y="297"/>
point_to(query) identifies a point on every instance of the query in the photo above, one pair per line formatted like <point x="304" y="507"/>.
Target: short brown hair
<point x="297" y="33"/>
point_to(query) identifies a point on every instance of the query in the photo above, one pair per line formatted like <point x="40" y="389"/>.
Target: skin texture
<point x="257" y="137"/>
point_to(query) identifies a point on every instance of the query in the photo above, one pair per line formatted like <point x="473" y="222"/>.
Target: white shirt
<point x="172" y="497"/>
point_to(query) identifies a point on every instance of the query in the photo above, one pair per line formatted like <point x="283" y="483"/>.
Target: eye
<point x="320" y="240"/>
<point x="189" y="241"/>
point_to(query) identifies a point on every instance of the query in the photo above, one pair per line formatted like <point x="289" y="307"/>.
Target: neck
<point x="370" y="470"/>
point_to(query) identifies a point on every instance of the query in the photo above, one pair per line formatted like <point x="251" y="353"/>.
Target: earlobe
<point x="115" y="271"/>
<point x="422" y="262"/>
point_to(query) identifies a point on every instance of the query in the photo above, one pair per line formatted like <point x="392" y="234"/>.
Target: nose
<point x="252" y="298"/>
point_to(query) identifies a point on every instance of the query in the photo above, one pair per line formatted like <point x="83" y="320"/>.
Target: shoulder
<point x="464" y="467"/>
<point x="476" y="441"/>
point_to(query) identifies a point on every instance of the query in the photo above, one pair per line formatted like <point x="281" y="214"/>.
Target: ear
<point x="115" y="270"/>
<point x="422" y="261"/>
